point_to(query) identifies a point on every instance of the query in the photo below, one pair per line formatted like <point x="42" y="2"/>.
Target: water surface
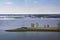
<point x="29" y="35"/>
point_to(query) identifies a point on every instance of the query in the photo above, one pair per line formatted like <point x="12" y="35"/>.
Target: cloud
<point x="10" y="17"/>
<point x="27" y="10"/>
<point x="35" y="2"/>
<point x="6" y="18"/>
<point x="8" y="3"/>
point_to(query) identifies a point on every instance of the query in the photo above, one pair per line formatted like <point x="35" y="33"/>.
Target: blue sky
<point x="29" y="6"/>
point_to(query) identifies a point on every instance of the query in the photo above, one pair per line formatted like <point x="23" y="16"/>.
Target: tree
<point x="32" y="25"/>
<point x="47" y="26"/>
<point x="37" y="25"/>
<point x="58" y="25"/>
<point x="24" y="27"/>
<point x="44" y="26"/>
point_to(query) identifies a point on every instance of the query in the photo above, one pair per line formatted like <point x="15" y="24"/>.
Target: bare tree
<point x="32" y="25"/>
<point x="44" y="26"/>
<point x="47" y="26"/>
<point x="58" y="25"/>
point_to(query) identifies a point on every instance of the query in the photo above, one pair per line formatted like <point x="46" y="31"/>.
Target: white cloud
<point x="6" y="18"/>
<point x="8" y="3"/>
<point x="28" y="10"/>
<point x="35" y="2"/>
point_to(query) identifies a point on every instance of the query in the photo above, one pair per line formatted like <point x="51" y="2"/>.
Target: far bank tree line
<point x="45" y="26"/>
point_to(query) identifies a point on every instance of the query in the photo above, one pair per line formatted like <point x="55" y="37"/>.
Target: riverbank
<point x="34" y="29"/>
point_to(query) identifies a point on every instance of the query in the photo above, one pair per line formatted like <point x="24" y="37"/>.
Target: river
<point x="8" y="24"/>
<point x="29" y="35"/>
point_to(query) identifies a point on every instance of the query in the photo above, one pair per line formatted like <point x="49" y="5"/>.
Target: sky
<point x="12" y="21"/>
<point x="12" y="24"/>
<point x="29" y="6"/>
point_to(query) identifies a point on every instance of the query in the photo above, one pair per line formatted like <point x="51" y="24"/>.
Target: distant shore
<point x="34" y="30"/>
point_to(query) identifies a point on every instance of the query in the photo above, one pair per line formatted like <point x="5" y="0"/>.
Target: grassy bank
<point x="34" y="29"/>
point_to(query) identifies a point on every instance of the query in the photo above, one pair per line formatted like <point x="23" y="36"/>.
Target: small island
<point x="36" y="29"/>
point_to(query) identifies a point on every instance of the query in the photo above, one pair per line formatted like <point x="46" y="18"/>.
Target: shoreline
<point x="33" y="30"/>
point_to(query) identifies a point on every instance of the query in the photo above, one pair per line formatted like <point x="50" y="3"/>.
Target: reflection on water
<point x="29" y="35"/>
